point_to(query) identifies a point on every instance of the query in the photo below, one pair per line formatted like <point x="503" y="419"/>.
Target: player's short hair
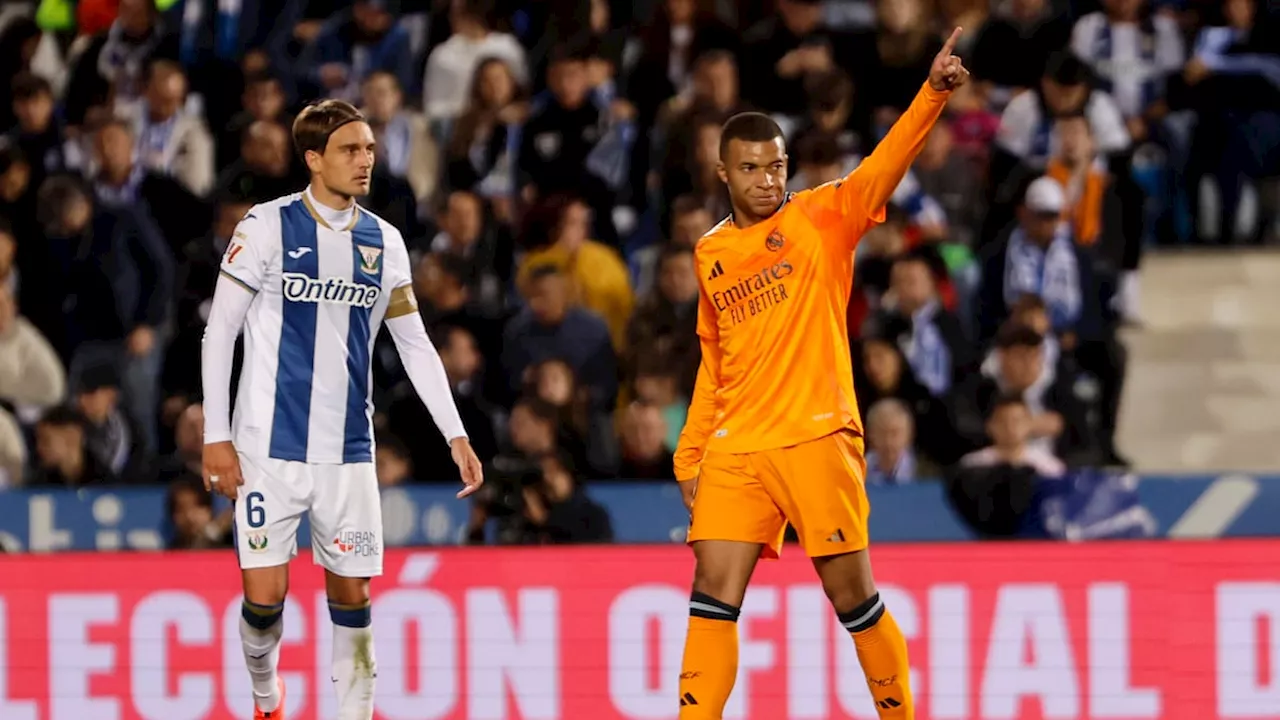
<point x="318" y="121"/>
<point x="829" y="90"/>
<point x="748" y="127"/>
<point x="1014" y="334"/>
<point x="818" y="148"/>
<point x="1065" y="68"/>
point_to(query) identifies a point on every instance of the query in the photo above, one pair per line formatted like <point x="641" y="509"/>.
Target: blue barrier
<point x="642" y="512"/>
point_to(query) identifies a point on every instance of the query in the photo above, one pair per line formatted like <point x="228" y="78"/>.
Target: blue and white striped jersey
<point x="320" y="295"/>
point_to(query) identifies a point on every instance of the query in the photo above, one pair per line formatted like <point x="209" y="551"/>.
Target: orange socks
<point x="710" y="658"/>
<point x="882" y="650"/>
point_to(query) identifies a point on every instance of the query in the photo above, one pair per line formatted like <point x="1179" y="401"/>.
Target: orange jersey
<point x="776" y="368"/>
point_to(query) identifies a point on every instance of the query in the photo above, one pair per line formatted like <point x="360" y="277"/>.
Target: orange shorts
<point x="817" y="486"/>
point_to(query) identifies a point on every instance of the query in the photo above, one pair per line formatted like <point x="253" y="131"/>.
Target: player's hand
<point x="221" y="469"/>
<point x="468" y="466"/>
<point x="947" y="73"/>
<point x="688" y="488"/>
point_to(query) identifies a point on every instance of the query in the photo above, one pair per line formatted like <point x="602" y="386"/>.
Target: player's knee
<point x="708" y="607"/>
<point x="725" y="587"/>
<point x="261" y="617"/>
<point x="351" y="615"/>
<point x="846" y="579"/>
<point x="862" y="616"/>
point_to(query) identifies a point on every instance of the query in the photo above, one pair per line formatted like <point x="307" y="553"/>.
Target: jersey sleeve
<point x="249" y="251"/>
<point x="853" y="204"/>
<point x="398" y="277"/>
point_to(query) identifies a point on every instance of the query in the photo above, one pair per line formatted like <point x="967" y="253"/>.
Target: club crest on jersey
<point x="257" y="542"/>
<point x="775" y="241"/>
<point x="370" y="259"/>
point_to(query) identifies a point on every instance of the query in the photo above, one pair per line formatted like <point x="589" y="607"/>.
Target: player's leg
<point x="820" y="485"/>
<point x="266" y="529"/>
<point x="346" y="539"/>
<point x="734" y="522"/>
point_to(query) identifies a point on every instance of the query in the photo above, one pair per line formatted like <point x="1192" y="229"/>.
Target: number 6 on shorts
<point x="256" y="514"/>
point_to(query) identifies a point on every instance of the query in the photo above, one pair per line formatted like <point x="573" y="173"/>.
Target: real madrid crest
<point x="775" y="241"/>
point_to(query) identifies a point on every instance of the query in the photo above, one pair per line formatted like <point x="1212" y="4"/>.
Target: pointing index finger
<point x="951" y="42"/>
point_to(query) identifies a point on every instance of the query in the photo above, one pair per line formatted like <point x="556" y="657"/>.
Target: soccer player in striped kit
<point x="310" y="278"/>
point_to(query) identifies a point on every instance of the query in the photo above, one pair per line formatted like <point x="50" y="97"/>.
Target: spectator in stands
<point x="1010" y="426"/>
<point x="116" y="284"/>
<point x="665" y="321"/>
<point x="1012" y="49"/>
<point x="1038" y="257"/>
<point x="584" y="433"/>
<point x="20" y="41"/>
<point x="713" y="91"/>
<point x="702" y="164"/>
<point x="8" y="255"/>
<point x="689" y="222"/>
<point x="973" y="123"/>
<point x="558" y="511"/>
<point x="1133" y="51"/>
<point x="550" y="327"/>
<point x="659" y="381"/>
<point x="486" y="248"/>
<point x="1235" y="79"/>
<point x="1026" y="140"/>
<point x="888" y="65"/>
<point x="183" y="464"/>
<point x="62" y="459"/>
<point x="263" y="99"/>
<point x="407" y="418"/>
<point x="484" y="147"/>
<point x="780" y="51"/>
<point x="831" y="113"/>
<point x="110" y="436"/>
<point x="576" y="141"/>
<point x="31" y="375"/>
<point x="171" y="141"/>
<point x="405" y="149"/>
<point x="266" y="168"/>
<point x="954" y="181"/>
<point x="931" y="336"/>
<point x="891" y="459"/>
<point x="557" y="233"/>
<point x="122" y="181"/>
<point x="1059" y="420"/>
<point x="884" y="373"/>
<point x="660" y="60"/>
<point x="355" y="44"/>
<point x="189" y="509"/>
<point x="646" y="454"/>
<point x="453" y="66"/>
<point x="394" y="462"/>
<point x="818" y="160"/>
<point x="197" y="275"/>
<point x="39" y="132"/>
<point x="114" y="65"/>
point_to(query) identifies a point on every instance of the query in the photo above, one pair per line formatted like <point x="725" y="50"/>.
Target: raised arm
<point x="857" y="201"/>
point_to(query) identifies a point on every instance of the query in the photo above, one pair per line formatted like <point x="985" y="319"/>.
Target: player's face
<point x="756" y="173"/>
<point x="347" y="163"/>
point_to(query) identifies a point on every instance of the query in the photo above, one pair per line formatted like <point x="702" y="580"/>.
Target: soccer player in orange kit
<point x="773" y="433"/>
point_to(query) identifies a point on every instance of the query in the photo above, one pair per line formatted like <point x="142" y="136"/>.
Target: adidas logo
<point x="687" y="699"/>
<point x="716" y="271"/>
<point x="889" y="704"/>
<point x="837" y="536"/>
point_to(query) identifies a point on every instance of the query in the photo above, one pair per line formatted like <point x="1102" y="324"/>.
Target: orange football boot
<point x="278" y="713"/>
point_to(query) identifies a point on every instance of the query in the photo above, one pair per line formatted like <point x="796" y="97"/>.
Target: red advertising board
<point x="997" y="631"/>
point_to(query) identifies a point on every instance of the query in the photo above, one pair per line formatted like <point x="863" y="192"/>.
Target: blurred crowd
<point x="552" y="164"/>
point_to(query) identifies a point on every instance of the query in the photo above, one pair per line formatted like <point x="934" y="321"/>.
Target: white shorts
<point x="341" y="501"/>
